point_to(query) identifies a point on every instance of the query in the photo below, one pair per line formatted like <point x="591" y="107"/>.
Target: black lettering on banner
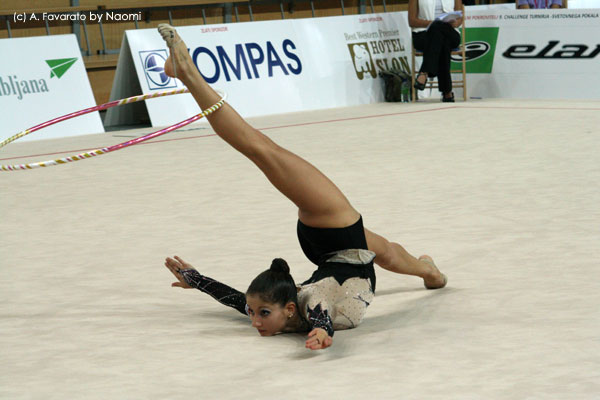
<point x="567" y="51"/>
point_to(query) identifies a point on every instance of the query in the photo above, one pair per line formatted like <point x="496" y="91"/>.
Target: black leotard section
<point x="318" y="244"/>
<point x="224" y="294"/>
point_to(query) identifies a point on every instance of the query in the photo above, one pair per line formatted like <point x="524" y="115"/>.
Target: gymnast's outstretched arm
<point x="189" y="278"/>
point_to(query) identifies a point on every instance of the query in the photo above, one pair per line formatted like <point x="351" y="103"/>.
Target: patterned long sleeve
<point x="318" y="317"/>
<point x="224" y="294"/>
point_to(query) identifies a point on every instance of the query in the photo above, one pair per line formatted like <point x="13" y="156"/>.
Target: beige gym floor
<point x="503" y="194"/>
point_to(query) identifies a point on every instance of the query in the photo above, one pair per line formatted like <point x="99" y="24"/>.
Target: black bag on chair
<point x="396" y="86"/>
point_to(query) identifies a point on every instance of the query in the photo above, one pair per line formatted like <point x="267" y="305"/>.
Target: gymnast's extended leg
<point x="320" y="202"/>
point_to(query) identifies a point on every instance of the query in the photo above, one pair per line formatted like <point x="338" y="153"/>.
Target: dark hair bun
<point x="281" y="266"/>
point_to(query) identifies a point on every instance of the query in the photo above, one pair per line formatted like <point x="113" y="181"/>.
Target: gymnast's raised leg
<point x="320" y="202"/>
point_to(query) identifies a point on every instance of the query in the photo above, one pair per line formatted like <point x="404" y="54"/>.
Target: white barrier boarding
<point x="42" y="78"/>
<point x="284" y="66"/>
<point x="268" y="67"/>
<point x="533" y="54"/>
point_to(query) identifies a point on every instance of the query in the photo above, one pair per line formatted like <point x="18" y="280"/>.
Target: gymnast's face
<point x="267" y="318"/>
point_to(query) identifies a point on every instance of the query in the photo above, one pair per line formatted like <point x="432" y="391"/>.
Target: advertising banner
<point x="284" y="66"/>
<point x="268" y="67"/>
<point x="42" y="78"/>
<point x="547" y="54"/>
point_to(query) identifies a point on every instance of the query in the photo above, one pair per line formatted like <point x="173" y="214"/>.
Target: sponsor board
<point x="42" y="78"/>
<point x="550" y="54"/>
<point x="270" y="67"/>
<point x="273" y="67"/>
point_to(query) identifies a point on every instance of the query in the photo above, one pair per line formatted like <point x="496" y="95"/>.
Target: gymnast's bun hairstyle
<point x="279" y="265"/>
<point x="275" y="285"/>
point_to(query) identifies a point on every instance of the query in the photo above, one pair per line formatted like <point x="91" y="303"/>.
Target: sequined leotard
<point x="338" y="292"/>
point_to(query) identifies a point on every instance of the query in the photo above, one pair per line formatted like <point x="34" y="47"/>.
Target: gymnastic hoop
<point x="115" y="147"/>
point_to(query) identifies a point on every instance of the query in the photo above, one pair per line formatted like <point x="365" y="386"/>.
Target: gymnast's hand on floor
<point x="318" y="339"/>
<point x="178" y="267"/>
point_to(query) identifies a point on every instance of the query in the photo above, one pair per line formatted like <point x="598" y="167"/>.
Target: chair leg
<point x="463" y="34"/>
<point x="413" y="91"/>
<point x="464" y="74"/>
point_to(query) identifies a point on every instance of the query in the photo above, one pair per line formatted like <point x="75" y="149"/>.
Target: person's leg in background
<point x="430" y="43"/>
<point x="450" y="40"/>
<point x="436" y="43"/>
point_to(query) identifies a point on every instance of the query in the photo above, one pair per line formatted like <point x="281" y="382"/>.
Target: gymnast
<point x="329" y="229"/>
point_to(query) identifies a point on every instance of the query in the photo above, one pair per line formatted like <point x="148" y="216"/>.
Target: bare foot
<point x="436" y="280"/>
<point x="422" y="78"/>
<point x="179" y="60"/>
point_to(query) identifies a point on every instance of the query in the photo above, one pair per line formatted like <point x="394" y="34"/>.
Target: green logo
<point x="480" y="48"/>
<point x="60" y="66"/>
